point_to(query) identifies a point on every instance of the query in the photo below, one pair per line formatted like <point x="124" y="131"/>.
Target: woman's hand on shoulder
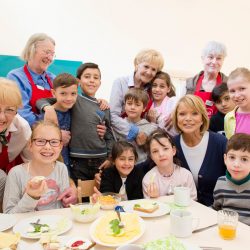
<point x="103" y="104"/>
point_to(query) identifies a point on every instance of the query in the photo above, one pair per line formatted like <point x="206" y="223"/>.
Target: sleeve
<point x="109" y="136"/>
<point x="119" y="124"/>
<point x="64" y="177"/>
<point x="217" y="205"/>
<point x="2" y="183"/>
<point x="191" y="185"/>
<point x="190" y="83"/>
<point x="145" y="182"/>
<point x="14" y="200"/>
<point x="43" y="102"/>
<point x="26" y="111"/>
<point x="107" y="181"/>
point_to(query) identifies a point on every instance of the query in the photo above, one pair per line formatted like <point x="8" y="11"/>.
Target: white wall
<point x="111" y="32"/>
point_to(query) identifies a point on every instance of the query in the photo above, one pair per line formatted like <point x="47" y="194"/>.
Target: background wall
<point x="111" y="32"/>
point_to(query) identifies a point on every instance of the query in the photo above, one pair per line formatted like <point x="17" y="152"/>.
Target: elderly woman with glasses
<point x="199" y="150"/>
<point x="203" y="83"/>
<point x="33" y="79"/>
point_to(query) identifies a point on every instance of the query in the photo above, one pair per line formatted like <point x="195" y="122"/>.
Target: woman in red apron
<point x="34" y="81"/>
<point x="202" y="84"/>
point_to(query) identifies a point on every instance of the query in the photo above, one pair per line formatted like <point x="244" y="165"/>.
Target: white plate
<point x="52" y="220"/>
<point x="96" y="222"/>
<point x="7" y="221"/>
<point x="64" y="241"/>
<point x="162" y="210"/>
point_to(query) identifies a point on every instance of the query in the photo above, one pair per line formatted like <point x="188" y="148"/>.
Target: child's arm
<point x="107" y="181"/>
<point x="218" y="200"/>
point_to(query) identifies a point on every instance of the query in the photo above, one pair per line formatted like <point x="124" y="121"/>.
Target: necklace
<point x="169" y="175"/>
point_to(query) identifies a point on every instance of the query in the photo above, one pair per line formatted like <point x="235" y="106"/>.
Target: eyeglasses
<point x="9" y="111"/>
<point x="49" y="53"/>
<point x="42" y="142"/>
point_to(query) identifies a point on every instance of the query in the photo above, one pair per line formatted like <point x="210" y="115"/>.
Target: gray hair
<point x="214" y="47"/>
<point x="30" y="47"/>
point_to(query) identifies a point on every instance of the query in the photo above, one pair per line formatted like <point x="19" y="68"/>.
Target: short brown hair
<point x="166" y="77"/>
<point x="137" y="95"/>
<point x="121" y="146"/>
<point x="10" y="93"/>
<point x="239" y="142"/>
<point x="198" y="105"/>
<point x="64" y="80"/>
<point x="85" y="66"/>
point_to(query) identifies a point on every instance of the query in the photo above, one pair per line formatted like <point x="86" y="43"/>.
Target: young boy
<point x="65" y="91"/>
<point x="224" y="104"/>
<point x="87" y="150"/>
<point x="233" y="190"/>
<point x="135" y="104"/>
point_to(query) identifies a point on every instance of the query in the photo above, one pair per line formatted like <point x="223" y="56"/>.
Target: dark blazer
<point x="112" y="182"/>
<point x="211" y="169"/>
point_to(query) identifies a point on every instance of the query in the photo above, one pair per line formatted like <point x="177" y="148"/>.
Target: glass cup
<point x="227" y="223"/>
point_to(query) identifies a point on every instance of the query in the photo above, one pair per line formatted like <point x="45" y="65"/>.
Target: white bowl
<point x="85" y="212"/>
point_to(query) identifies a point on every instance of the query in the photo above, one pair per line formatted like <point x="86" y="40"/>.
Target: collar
<point x="35" y="75"/>
<point x="237" y="182"/>
<point x="88" y="97"/>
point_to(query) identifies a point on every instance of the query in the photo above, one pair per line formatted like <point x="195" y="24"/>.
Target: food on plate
<point x="37" y="179"/>
<point x="108" y="231"/>
<point x="85" y="212"/>
<point x="169" y="243"/>
<point x="109" y="200"/>
<point x="37" y="228"/>
<point x="146" y="206"/>
<point x="77" y="243"/>
<point x="49" y="241"/>
<point x="9" y="241"/>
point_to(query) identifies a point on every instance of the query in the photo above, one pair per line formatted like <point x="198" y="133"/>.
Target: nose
<point x="47" y="144"/>
<point x="2" y="114"/>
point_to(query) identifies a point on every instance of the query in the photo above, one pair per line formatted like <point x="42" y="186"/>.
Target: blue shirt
<point x="23" y="83"/>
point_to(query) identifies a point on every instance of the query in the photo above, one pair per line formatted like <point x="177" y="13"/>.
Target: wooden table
<point x="159" y="227"/>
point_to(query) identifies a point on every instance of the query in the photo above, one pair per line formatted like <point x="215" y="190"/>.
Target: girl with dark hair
<point x="167" y="174"/>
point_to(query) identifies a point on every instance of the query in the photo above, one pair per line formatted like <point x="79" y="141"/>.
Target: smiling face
<point x="125" y="162"/>
<point x="65" y="97"/>
<point x="45" y="154"/>
<point x="225" y="104"/>
<point x="162" y="153"/>
<point x="145" y="72"/>
<point x="134" y="110"/>
<point x="212" y="63"/>
<point x="90" y="81"/>
<point x="7" y="114"/>
<point x="238" y="163"/>
<point x="43" y="57"/>
<point x="189" y="120"/>
<point x="239" y="91"/>
<point x="160" y="89"/>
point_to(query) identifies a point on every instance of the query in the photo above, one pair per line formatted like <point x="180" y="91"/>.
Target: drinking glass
<point x="227" y="223"/>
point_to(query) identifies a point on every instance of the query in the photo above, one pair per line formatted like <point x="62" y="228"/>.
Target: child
<point x="233" y="190"/>
<point x="238" y="120"/>
<point x="65" y="91"/>
<point x="88" y="151"/>
<point x="135" y="104"/>
<point x="24" y="194"/>
<point x="123" y="178"/>
<point x="164" y="100"/>
<point x="166" y="175"/>
<point x="224" y="104"/>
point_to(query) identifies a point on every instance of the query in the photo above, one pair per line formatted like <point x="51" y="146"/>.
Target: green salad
<point x="169" y="243"/>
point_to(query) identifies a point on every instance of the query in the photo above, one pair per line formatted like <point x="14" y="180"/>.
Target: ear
<point x="53" y="92"/>
<point x="225" y="158"/>
<point x="174" y="150"/>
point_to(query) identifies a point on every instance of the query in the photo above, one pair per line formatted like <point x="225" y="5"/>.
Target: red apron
<point x="37" y="93"/>
<point x="206" y="96"/>
<point x="5" y="164"/>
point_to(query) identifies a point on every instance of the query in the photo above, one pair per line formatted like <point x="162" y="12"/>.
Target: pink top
<point x="180" y="177"/>
<point x="242" y="123"/>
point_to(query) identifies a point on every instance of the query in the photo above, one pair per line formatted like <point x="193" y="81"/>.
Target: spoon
<point x="121" y="224"/>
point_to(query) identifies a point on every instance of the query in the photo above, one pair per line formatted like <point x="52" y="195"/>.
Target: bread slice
<point x="9" y="241"/>
<point x="37" y="179"/>
<point x="146" y="207"/>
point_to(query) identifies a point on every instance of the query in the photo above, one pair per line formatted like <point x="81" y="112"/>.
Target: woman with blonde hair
<point x="146" y="64"/>
<point x="33" y="79"/>
<point x="198" y="149"/>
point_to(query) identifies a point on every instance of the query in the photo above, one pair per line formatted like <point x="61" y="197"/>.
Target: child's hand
<point x="103" y="104"/>
<point x="36" y="189"/>
<point x="105" y="164"/>
<point x="101" y="130"/>
<point x="50" y="114"/>
<point x="152" y="115"/>
<point x="141" y="138"/>
<point x="153" y="190"/>
<point x="168" y="122"/>
<point x="98" y="178"/>
<point x="66" y="136"/>
<point x="95" y="196"/>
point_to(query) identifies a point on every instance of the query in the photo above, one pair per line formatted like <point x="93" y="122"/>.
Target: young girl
<point x="164" y="100"/>
<point x="23" y="192"/>
<point x="166" y="175"/>
<point x="238" y="120"/>
<point x="123" y="178"/>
